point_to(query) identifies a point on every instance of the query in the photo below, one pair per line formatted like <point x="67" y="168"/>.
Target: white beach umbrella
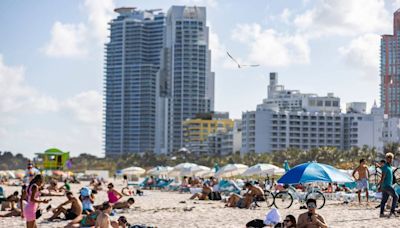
<point x="263" y="169"/>
<point x="176" y="171"/>
<point x="134" y="170"/>
<point x="231" y="170"/>
<point x="205" y="174"/>
<point x="193" y="170"/>
<point x="159" y="170"/>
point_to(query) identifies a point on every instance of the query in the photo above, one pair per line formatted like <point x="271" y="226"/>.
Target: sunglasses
<point x="311" y="205"/>
<point x="286" y="220"/>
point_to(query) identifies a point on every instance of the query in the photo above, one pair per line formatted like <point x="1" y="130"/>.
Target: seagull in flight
<point x="241" y="65"/>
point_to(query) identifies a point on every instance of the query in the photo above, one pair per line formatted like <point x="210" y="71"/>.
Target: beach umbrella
<point x="263" y="169"/>
<point x="176" y="171"/>
<point x="19" y="174"/>
<point x="348" y="172"/>
<point x="205" y="174"/>
<point x="58" y="173"/>
<point x="231" y="170"/>
<point x="159" y="170"/>
<point x="193" y="170"/>
<point x="134" y="171"/>
<point x="314" y="172"/>
<point x="10" y="174"/>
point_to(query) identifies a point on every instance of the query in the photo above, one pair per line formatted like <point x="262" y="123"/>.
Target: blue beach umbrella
<point x="314" y="172"/>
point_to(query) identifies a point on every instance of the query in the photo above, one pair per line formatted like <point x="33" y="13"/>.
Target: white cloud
<point x="271" y="48"/>
<point x="344" y="17"/>
<point x="17" y="96"/>
<point x="72" y="40"/>
<point x="363" y="54"/>
<point x="100" y="12"/>
<point x="86" y="107"/>
<point x="285" y="15"/>
<point x="67" y="40"/>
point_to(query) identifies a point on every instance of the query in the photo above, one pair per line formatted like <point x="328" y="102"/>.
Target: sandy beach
<point x="163" y="209"/>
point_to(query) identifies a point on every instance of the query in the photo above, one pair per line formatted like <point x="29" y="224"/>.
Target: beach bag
<point x="38" y="213"/>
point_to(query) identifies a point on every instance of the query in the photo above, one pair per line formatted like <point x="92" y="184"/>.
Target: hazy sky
<point x="52" y="54"/>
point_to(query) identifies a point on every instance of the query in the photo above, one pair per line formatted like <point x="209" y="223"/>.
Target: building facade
<point x="197" y="132"/>
<point x="132" y="61"/>
<point x="390" y="69"/>
<point x="186" y="81"/>
<point x="313" y="123"/>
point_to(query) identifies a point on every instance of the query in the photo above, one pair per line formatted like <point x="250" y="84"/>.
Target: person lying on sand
<point x="73" y="212"/>
<point x="47" y="193"/>
<point x="118" y="205"/>
<point x="10" y="202"/>
<point x="84" y="220"/>
<point x="124" y="205"/>
<point x="239" y="201"/>
<point x="53" y="187"/>
<point x="206" y="190"/>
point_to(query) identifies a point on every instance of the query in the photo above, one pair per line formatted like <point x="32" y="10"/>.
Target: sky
<point x="52" y="56"/>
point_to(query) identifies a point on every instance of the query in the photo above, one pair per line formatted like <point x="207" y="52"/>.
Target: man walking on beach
<point x="362" y="180"/>
<point x="386" y="186"/>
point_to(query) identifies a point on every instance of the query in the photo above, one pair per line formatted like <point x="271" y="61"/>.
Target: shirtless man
<point x="362" y="180"/>
<point x="103" y="219"/>
<point x="204" y="192"/>
<point x="311" y="219"/>
<point x="72" y="213"/>
<point x="253" y="191"/>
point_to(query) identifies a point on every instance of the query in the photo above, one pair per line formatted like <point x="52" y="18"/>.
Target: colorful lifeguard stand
<point x="52" y="159"/>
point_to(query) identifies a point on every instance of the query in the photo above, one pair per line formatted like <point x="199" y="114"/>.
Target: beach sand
<point x="163" y="209"/>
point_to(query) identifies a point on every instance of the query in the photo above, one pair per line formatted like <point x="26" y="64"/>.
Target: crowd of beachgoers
<point x="65" y="201"/>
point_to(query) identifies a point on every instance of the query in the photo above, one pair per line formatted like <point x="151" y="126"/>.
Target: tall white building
<point x="290" y="119"/>
<point x="187" y="83"/>
<point x="130" y="85"/>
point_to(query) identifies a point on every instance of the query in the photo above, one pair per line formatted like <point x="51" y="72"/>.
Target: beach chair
<point x="2" y="195"/>
<point x="163" y="184"/>
<point x="227" y="187"/>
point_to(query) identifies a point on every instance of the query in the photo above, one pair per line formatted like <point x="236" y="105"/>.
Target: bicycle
<point x="284" y="199"/>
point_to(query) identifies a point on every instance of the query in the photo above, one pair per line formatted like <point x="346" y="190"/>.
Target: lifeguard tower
<point x="52" y="159"/>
